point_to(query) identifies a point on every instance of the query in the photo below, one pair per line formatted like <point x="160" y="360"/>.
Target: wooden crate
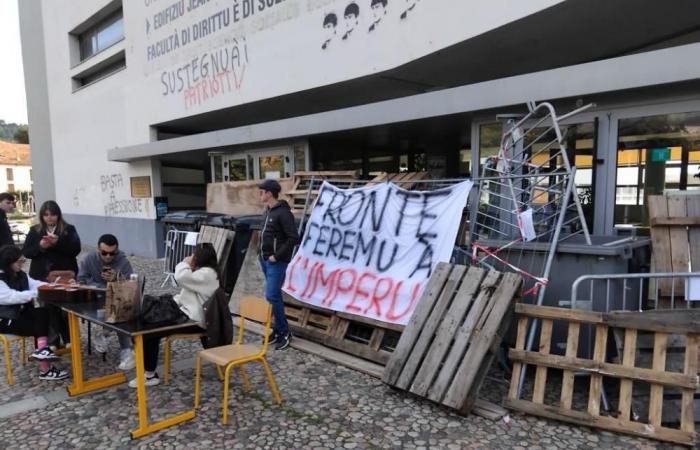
<point x="675" y="233"/>
<point x="453" y="335"/>
<point x="661" y="323"/>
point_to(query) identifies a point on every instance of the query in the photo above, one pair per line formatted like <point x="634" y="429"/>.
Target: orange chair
<point x="238" y="354"/>
<point x="6" y="340"/>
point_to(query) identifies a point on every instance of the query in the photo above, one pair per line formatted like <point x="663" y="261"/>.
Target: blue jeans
<point x="274" y="273"/>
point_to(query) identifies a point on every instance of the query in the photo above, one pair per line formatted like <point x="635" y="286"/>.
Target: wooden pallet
<point x="453" y="335"/>
<point x="302" y="184"/>
<point x="402" y="179"/>
<point x="661" y="323"/>
<point x="675" y="232"/>
<point x="222" y="241"/>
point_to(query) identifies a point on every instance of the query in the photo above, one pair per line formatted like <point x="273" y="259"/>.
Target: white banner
<point x="370" y="251"/>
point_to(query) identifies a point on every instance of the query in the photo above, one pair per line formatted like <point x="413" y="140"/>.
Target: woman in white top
<point x="18" y="315"/>
<point x="198" y="277"/>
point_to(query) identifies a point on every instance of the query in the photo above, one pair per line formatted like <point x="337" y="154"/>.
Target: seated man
<point x="97" y="269"/>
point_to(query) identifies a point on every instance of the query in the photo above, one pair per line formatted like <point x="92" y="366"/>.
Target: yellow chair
<point x="229" y="356"/>
<point x="166" y="350"/>
<point x="7" y="339"/>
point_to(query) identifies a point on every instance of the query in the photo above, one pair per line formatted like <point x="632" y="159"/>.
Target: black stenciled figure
<point x="352" y="14"/>
<point x="378" y="12"/>
<point x="330" y="22"/>
<point x="411" y="4"/>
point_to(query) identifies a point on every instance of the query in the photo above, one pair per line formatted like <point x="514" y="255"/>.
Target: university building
<point x="132" y="100"/>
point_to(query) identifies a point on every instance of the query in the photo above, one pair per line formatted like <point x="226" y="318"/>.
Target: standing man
<point x="277" y="240"/>
<point x="7" y="204"/>
<point x="97" y="269"/>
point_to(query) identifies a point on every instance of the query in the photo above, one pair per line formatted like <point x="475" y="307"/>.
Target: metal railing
<point x="175" y="251"/>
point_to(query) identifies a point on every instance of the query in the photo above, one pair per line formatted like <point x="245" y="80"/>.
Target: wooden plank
<point x="482" y="341"/>
<point x="551" y="312"/>
<point x="371" y="322"/>
<point x="688" y="395"/>
<point x="427" y="331"/>
<point x="541" y="371"/>
<point x="656" y="393"/>
<point x="420" y="314"/>
<point x="596" y="385"/>
<point x="675" y="380"/>
<point x="693" y="207"/>
<point x="660" y="240"/>
<point x="680" y="256"/>
<point x="681" y="321"/>
<point x="461" y="340"/>
<point x="446" y="330"/>
<point x="517" y="365"/>
<point x="690" y="221"/>
<point x="628" y="355"/>
<point x="567" y="382"/>
<point x="604" y="422"/>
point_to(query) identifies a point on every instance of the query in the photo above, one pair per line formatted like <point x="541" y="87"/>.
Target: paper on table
<point x="527" y="228"/>
<point x="692" y="289"/>
<point x="191" y="238"/>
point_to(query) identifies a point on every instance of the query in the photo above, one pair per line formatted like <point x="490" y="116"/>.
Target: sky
<point x="13" y="102"/>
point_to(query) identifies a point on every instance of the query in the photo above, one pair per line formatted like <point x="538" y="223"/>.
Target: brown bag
<point x="122" y="301"/>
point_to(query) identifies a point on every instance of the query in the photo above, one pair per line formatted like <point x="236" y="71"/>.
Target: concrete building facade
<point x="131" y="100"/>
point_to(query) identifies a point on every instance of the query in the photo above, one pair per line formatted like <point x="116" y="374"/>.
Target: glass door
<point x="236" y="168"/>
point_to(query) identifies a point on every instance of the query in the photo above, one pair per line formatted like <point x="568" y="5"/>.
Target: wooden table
<point x="136" y="329"/>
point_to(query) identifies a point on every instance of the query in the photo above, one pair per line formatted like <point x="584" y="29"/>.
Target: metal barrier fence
<point x="175" y="251"/>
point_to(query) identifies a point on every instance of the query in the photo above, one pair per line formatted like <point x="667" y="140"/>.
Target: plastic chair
<point x="238" y="354"/>
<point x="7" y="339"/>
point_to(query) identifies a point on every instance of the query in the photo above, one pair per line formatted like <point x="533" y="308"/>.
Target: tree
<point x="21" y="135"/>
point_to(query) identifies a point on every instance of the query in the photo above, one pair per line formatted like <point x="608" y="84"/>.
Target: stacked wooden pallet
<point x="405" y="180"/>
<point x="453" y="335"/>
<point x="661" y="323"/>
<point x="302" y="188"/>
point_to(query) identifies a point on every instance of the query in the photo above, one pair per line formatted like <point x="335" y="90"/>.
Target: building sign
<point x="370" y="251"/>
<point x="660" y="154"/>
<point x="140" y="187"/>
<point x="201" y="55"/>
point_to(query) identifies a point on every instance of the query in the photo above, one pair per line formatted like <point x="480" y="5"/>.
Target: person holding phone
<point x="98" y="268"/>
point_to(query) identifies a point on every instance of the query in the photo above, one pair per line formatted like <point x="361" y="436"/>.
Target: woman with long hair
<point x="18" y="315"/>
<point x="52" y="244"/>
<point x="199" y="279"/>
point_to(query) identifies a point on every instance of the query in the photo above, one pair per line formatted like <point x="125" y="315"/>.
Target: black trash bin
<point x="190" y="220"/>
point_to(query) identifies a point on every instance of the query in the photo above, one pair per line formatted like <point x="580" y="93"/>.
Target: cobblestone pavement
<point x="326" y="406"/>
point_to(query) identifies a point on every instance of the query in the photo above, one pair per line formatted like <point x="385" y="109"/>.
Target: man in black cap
<point x="277" y="240"/>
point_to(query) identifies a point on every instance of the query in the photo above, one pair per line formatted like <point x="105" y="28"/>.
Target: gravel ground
<point x="326" y="406"/>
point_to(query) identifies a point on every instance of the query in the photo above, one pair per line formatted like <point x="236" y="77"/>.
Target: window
<point x="655" y="154"/>
<point x="101" y="70"/>
<point x="10" y="187"/>
<point x="10" y="174"/>
<point x="101" y="35"/>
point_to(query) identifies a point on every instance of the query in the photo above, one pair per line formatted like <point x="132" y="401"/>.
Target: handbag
<point x="161" y="309"/>
<point x="122" y="300"/>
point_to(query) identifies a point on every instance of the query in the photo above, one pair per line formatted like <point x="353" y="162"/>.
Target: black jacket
<point x="5" y="231"/>
<point x="279" y="233"/>
<point x="61" y="256"/>
<point x="218" y="319"/>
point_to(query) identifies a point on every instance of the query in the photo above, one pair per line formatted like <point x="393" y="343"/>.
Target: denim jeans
<point x="274" y="273"/>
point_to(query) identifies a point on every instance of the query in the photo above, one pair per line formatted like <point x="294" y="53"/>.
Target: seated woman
<point x="18" y="315"/>
<point x="197" y="274"/>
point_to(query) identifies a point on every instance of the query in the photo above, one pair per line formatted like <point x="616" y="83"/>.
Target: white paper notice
<point x="692" y="289"/>
<point x="527" y="228"/>
<point x="191" y="238"/>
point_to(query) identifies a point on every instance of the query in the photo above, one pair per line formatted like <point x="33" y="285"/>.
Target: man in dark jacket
<point x="277" y="240"/>
<point x="7" y="204"/>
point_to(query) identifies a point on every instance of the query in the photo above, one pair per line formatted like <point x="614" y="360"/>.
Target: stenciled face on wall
<point x="378" y="12"/>
<point x="410" y="4"/>
<point x="352" y="18"/>
<point x="330" y="24"/>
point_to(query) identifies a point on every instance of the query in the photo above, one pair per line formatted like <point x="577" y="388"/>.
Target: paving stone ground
<point x="326" y="406"/>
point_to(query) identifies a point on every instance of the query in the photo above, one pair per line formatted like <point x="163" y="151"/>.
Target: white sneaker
<point x="100" y="342"/>
<point x="126" y="360"/>
<point x="150" y="381"/>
